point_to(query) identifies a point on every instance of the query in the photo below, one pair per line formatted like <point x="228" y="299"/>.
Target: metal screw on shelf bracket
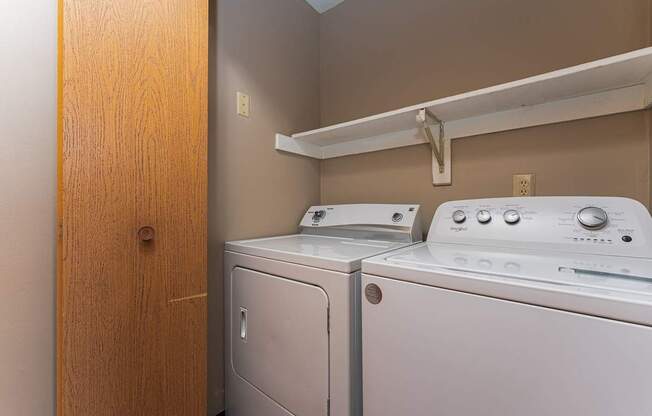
<point x="437" y="147"/>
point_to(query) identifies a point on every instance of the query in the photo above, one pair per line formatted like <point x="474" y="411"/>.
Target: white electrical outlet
<point x="243" y="104"/>
<point x="523" y="185"/>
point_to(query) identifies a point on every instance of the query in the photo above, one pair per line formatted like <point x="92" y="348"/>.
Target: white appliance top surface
<point x="331" y="253"/>
<point x="622" y="277"/>
<point x="338" y="237"/>
<point x="547" y="258"/>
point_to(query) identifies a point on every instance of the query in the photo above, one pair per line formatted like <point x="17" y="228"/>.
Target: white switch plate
<point x="243" y="104"/>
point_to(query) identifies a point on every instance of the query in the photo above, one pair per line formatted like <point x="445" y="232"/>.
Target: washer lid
<point x="324" y="252"/>
<point x="597" y="285"/>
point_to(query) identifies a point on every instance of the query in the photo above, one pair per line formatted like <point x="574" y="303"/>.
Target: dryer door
<point x="279" y="336"/>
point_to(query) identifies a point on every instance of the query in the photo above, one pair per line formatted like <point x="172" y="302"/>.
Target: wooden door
<point x="131" y="304"/>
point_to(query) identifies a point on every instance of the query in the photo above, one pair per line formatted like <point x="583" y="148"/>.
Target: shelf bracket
<point x="441" y="150"/>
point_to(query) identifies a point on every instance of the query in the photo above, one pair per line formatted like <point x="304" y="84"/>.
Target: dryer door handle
<point x="243" y="324"/>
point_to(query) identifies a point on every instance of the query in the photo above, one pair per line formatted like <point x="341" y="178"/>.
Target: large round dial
<point x="511" y="216"/>
<point x="459" y="216"/>
<point x="483" y="216"/>
<point x="592" y="218"/>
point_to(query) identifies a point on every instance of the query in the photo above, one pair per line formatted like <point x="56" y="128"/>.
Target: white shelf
<point x="613" y="85"/>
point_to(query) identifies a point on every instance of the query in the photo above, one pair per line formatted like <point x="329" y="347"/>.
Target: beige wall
<point x="270" y="50"/>
<point x="28" y="43"/>
<point x="378" y="55"/>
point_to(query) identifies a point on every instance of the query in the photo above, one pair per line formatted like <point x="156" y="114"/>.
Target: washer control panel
<point x="609" y="225"/>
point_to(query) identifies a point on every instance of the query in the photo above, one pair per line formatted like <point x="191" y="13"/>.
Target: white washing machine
<point x="514" y="307"/>
<point x="293" y="310"/>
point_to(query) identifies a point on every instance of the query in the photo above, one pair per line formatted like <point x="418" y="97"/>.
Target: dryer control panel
<point x="383" y="221"/>
<point x="593" y="225"/>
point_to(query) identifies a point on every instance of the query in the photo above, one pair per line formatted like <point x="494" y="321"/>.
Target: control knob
<point x="318" y="215"/>
<point x="483" y="216"/>
<point x="511" y="216"/>
<point x="592" y="218"/>
<point x="459" y="216"/>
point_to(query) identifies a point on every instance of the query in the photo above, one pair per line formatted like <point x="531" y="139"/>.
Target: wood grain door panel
<point x="132" y="139"/>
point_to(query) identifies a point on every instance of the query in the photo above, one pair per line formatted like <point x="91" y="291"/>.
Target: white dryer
<point x="514" y="306"/>
<point x="292" y="306"/>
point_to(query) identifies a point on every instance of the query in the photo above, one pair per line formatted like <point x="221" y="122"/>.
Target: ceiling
<point x="323" y="5"/>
